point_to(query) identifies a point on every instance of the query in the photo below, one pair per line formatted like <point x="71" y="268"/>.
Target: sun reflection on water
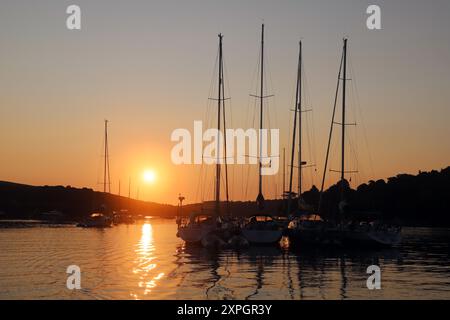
<point x="145" y="263"/>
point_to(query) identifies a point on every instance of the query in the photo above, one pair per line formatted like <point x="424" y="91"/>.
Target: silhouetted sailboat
<point x="201" y="226"/>
<point x="262" y="229"/>
<point x="101" y="219"/>
<point x="354" y="227"/>
<point x="305" y="226"/>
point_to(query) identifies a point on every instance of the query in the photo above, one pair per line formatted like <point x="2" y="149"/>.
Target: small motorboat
<point x="371" y="234"/>
<point x="262" y="229"/>
<point x="96" y="220"/>
<point x="123" y="217"/>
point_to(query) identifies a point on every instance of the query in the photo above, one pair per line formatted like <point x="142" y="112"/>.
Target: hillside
<point x="25" y="202"/>
<point x="422" y="199"/>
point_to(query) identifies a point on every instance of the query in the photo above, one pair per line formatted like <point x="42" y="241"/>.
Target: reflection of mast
<point x="106" y="175"/>
<point x="301" y="282"/>
<point x="216" y="277"/>
<point x="343" y="288"/>
<point x="287" y="270"/>
<point x="259" y="278"/>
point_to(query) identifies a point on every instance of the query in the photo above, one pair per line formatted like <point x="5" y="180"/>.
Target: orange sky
<point x="147" y="68"/>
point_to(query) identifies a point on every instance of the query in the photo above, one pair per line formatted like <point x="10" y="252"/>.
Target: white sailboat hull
<point x="194" y="234"/>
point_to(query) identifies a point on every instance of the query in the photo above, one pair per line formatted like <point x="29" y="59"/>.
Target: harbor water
<point x="146" y="260"/>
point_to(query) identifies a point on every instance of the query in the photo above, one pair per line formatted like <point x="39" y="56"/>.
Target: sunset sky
<point x="147" y="66"/>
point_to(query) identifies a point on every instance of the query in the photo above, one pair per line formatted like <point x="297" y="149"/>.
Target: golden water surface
<point x="147" y="261"/>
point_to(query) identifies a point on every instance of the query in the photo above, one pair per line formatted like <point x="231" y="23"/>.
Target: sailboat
<point x="304" y="226"/>
<point x="204" y="227"/>
<point x="353" y="228"/>
<point x="262" y="228"/>
<point x="101" y="219"/>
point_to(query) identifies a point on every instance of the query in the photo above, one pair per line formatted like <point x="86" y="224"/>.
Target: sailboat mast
<point x="344" y="79"/>
<point x="284" y="172"/>
<point x="325" y="167"/>
<point x="106" y="161"/>
<point x="222" y="87"/>
<point x="295" y="127"/>
<point x="261" y="97"/>
<point x="219" y="103"/>
<point x="300" y="124"/>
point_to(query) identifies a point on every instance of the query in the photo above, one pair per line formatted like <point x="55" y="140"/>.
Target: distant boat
<point x="53" y="215"/>
<point x="262" y="229"/>
<point x="123" y="217"/>
<point x="374" y="233"/>
<point x="96" y="220"/>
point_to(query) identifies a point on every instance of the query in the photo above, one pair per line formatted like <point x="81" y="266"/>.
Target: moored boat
<point x="375" y="233"/>
<point x="123" y="217"/>
<point x="347" y="229"/>
<point x="262" y="230"/>
<point x="96" y="220"/>
<point x="312" y="230"/>
<point x="197" y="227"/>
<point x="209" y="228"/>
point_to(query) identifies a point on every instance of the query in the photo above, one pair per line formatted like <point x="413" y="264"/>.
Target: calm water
<point x="147" y="261"/>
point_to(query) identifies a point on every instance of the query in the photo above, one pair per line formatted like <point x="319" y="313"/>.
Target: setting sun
<point x="149" y="176"/>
